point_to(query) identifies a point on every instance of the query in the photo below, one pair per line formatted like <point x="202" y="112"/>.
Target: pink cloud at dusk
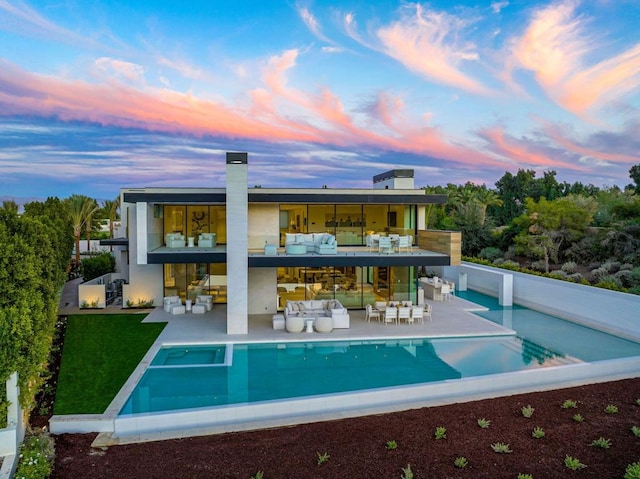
<point x="425" y="43"/>
<point x="521" y="153"/>
<point x="113" y="103"/>
<point x="556" y="45"/>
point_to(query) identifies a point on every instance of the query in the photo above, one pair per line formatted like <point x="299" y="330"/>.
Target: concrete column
<point x="237" y="244"/>
<point x="505" y="293"/>
<point x="462" y="281"/>
<point x="141" y="233"/>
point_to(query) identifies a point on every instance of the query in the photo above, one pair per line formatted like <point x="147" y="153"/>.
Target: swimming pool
<point x="186" y="377"/>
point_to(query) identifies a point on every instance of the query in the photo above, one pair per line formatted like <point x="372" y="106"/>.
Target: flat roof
<point x="283" y="195"/>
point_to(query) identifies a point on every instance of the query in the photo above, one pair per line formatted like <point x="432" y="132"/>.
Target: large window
<point x="192" y="220"/>
<point x="195" y="279"/>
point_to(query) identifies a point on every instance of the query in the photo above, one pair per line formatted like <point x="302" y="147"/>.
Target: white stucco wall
<point x="618" y="313"/>
<point x="262" y="284"/>
<point x="263" y="225"/>
<point x="145" y="280"/>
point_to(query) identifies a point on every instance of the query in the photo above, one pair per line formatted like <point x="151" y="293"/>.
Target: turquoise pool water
<point x="183" y="377"/>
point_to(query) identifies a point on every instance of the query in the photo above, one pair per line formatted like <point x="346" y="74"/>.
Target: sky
<point x="100" y="95"/>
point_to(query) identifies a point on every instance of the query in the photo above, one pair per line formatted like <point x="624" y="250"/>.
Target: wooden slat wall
<point x="445" y="242"/>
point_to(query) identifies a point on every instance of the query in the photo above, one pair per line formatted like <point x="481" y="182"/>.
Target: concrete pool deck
<point x="450" y="319"/>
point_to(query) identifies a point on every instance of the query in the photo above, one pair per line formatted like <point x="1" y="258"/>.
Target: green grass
<point x="100" y="353"/>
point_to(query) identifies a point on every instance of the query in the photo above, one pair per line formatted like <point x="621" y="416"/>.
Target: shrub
<point x="539" y="265"/>
<point x="611" y="283"/>
<point x="525" y="476"/>
<point x="441" y="432"/>
<point x="626" y="267"/>
<point x="558" y="274"/>
<point x="537" y="433"/>
<point x="635" y="430"/>
<point x="569" y="403"/>
<point x="322" y="458"/>
<point x="573" y="463"/>
<point x="632" y="471"/>
<point x="576" y="277"/>
<point x="258" y="475"/>
<point x="600" y="273"/>
<point x="569" y="267"/>
<point x="490" y="253"/>
<point x="509" y="264"/>
<point x="612" y="266"/>
<point x="601" y="442"/>
<point x="483" y="423"/>
<point x="36" y="457"/>
<point x="578" y="418"/>
<point x="527" y="411"/>
<point x="498" y="261"/>
<point x="611" y="409"/>
<point x="98" y="265"/>
<point x="501" y="447"/>
<point x="407" y="473"/>
<point x="461" y="462"/>
<point x="391" y="445"/>
<point x="624" y="277"/>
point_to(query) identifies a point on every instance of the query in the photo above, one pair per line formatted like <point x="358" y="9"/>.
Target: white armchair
<point x="175" y="240"/>
<point x="207" y="240"/>
<point x="206" y="301"/>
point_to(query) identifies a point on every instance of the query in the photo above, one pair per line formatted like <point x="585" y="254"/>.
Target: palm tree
<point x="81" y="209"/>
<point x="487" y="198"/>
<point x="111" y="207"/>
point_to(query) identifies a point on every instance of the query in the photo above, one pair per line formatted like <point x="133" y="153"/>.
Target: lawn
<point x="100" y="353"/>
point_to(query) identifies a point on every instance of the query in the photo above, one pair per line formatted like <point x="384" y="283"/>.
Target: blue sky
<point x="95" y="96"/>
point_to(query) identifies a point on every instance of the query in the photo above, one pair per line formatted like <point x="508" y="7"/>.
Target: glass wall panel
<point x="197" y="221"/>
<point x="322" y="219"/>
<point x="175" y="219"/>
<point x="194" y="279"/>
<point x="293" y="219"/>
<point x="375" y="218"/>
<point x="401" y="219"/>
<point x="218" y="223"/>
<point x="350" y="224"/>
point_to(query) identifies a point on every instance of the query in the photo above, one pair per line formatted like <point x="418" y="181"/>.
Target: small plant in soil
<point x="501" y="447"/>
<point x="569" y="404"/>
<point x="638" y="404"/>
<point x="460" y="462"/>
<point x="632" y="471"/>
<point x="525" y="476"/>
<point x="258" y="475"/>
<point x="573" y="463"/>
<point x="611" y="409"/>
<point x="483" y="423"/>
<point x="635" y="430"/>
<point x="527" y="411"/>
<point x="407" y="473"/>
<point x="578" y="418"/>
<point x="322" y="458"/>
<point x="601" y="442"/>
<point x="391" y="445"/>
<point x="441" y="432"/>
<point x="537" y="433"/>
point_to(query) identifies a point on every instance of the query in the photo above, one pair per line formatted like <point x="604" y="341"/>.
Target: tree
<point x="487" y="198"/>
<point x="80" y="210"/>
<point x="634" y="174"/>
<point x="548" y="227"/>
<point x="513" y="190"/>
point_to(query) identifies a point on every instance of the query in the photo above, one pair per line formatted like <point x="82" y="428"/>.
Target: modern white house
<point x="254" y="249"/>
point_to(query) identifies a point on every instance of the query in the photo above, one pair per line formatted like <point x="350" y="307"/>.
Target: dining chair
<point x="445" y="291"/>
<point x="417" y="313"/>
<point x="384" y="245"/>
<point x="427" y="311"/>
<point x="403" y="242"/>
<point x="452" y="288"/>
<point x="372" y="313"/>
<point x="391" y="315"/>
<point x="404" y="313"/>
